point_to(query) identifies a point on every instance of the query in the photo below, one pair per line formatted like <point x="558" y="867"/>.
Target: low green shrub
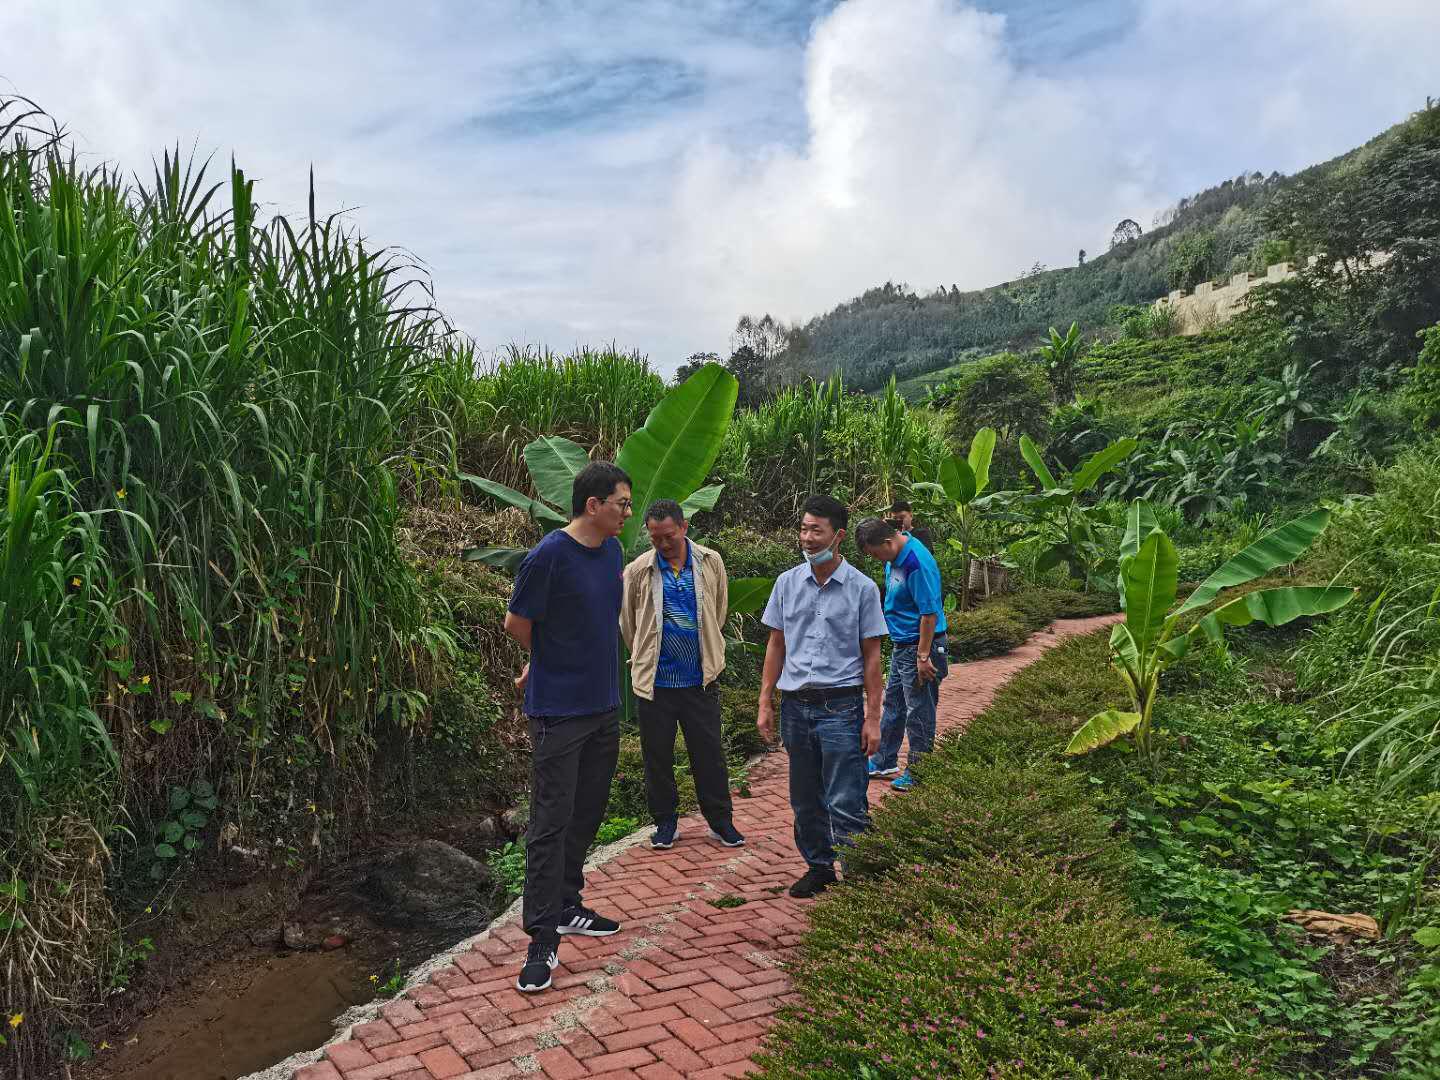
<point x="750" y="553"/>
<point x="989" y="630"/>
<point x="967" y="809"/>
<point x="1009" y="970"/>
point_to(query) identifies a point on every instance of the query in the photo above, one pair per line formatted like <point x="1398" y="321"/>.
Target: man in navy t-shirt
<point x="566" y="613"/>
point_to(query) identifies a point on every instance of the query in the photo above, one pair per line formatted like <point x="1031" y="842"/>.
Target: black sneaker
<point x="581" y="920"/>
<point x="727" y="835"/>
<point x="664" y="835"/>
<point x="816" y="880"/>
<point x="540" y="961"/>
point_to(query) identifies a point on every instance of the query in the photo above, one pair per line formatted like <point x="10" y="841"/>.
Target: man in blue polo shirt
<point x="915" y="614"/>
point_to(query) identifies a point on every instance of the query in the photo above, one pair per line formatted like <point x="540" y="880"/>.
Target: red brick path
<point x="685" y="989"/>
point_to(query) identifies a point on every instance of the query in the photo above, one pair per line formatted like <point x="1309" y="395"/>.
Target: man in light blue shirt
<point x="823" y="655"/>
<point x="915" y="614"/>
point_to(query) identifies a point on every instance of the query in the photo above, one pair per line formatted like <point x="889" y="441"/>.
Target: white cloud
<point x="587" y="170"/>
<point x="935" y="156"/>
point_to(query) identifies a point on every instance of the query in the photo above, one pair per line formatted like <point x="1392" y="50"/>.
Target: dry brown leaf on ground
<point x="1335" y="926"/>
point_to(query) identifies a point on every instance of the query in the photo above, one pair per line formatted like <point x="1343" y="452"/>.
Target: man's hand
<point x="522" y="679"/>
<point x="924" y="670"/>
<point x="765" y="721"/>
<point x="870" y="736"/>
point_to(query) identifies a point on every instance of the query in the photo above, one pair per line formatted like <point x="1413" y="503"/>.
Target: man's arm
<point x="874" y="695"/>
<point x="769" y="679"/>
<point x="520" y="628"/>
<point x="924" y="666"/>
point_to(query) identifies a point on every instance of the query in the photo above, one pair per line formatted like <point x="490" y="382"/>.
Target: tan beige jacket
<point x="644" y="606"/>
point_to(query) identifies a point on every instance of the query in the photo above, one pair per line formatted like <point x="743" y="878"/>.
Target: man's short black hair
<point x="661" y="509"/>
<point x="598" y="480"/>
<point x="823" y="506"/>
<point x="872" y="532"/>
<point x="898" y="506"/>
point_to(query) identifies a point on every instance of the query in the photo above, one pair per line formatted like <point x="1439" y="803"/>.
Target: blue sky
<point x="577" y="171"/>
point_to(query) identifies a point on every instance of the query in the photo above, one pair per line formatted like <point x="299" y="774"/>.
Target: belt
<point x="823" y="695"/>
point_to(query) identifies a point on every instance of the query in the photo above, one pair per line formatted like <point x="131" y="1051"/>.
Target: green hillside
<point x="921" y="336"/>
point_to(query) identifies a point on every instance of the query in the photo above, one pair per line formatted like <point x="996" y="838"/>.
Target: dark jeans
<point x="910" y="707"/>
<point x="827" y="774"/>
<point x="572" y="761"/>
<point x="696" y="712"/>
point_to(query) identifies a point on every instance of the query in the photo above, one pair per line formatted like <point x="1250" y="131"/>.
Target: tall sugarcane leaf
<point x="982" y="449"/>
<point x="554" y="461"/>
<point x="749" y="595"/>
<point x="1150" y="580"/>
<point x="1101" y="462"/>
<point x="534" y="507"/>
<point x="672" y="454"/>
<point x="1280" y="547"/>
<point x="958" y="480"/>
<point x="502" y="558"/>
<point x="1102" y="729"/>
<point x="1031" y="454"/>
<point x="704" y="498"/>
<point x="1276" y="607"/>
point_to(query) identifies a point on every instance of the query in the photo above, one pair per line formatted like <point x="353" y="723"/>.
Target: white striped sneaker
<point x="581" y="920"/>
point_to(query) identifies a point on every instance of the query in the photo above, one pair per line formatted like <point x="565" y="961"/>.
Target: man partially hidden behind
<point x="565" y="613"/>
<point x="825" y="625"/>
<point x="915" y="614"/>
<point x="903" y="518"/>
<point x="676" y="600"/>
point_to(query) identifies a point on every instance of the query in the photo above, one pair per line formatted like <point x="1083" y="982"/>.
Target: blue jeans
<point x="827" y="774"/>
<point x="910" y="707"/>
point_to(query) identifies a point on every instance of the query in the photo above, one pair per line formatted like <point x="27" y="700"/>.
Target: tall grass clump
<point x="595" y="397"/>
<point x="203" y="419"/>
<point x="1384" y="659"/>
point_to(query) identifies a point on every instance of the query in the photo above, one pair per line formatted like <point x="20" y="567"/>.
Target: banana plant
<point x="668" y="458"/>
<point x="1071" y="531"/>
<point x="1150" y="638"/>
<point x="962" y="483"/>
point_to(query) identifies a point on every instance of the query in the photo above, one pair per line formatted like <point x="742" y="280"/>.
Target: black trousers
<point x="572" y="761"/>
<point x="696" y="712"/>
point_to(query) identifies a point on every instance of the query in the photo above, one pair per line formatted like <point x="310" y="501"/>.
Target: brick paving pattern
<point x="685" y="989"/>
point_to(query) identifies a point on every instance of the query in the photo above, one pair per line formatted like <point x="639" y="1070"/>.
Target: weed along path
<point x="686" y="989"/>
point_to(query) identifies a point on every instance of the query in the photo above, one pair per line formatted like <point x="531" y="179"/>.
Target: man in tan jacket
<point x="672" y="620"/>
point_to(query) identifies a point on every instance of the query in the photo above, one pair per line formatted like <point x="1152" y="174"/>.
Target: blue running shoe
<point x="874" y="772"/>
<point x="903" y="783"/>
<point x="728" y="835"/>
<point x="664" y="835"/>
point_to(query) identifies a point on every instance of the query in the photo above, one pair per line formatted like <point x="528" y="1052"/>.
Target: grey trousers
<point x="572" y="761"/>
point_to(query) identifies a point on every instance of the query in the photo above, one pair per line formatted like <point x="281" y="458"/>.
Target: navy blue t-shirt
<point x="572" y="594"/>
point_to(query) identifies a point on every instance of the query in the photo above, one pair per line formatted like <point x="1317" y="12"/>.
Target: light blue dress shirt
<point x="824" y="625"/>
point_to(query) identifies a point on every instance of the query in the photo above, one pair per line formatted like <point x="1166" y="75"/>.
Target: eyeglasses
<point x="623" y="504"/>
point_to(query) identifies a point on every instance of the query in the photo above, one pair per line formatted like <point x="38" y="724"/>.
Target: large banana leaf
<point x="553" y="461"/>
<point x="704" y="498"/>
<point x="1101" y="729"/>
<point x="672" y="454"/>
<point x="1101" y="462"/>
<point x="1280" y="547"/>
<point x="958" y="480"/>
<point x="1150" y="580"/>
<point x="982" y="449"/>
<point x="1276" y="607"/>
<point x="534" y="507"/>
<point x="749" y="595"/>
<point x="1140" y="522"/>
<point x="502" y="558"/>
<point x="1031" y="454"/>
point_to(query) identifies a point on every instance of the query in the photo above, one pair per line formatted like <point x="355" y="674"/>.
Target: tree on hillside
<point x="1126" y="231"/>
<point x="766" y="355"/>
<point x="1061" y="357"/>
<point x="693" y="363"/>
<point x="1082" y="257"/>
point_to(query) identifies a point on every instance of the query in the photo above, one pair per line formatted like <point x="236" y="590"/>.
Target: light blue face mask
<point x="820" y="558"/>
